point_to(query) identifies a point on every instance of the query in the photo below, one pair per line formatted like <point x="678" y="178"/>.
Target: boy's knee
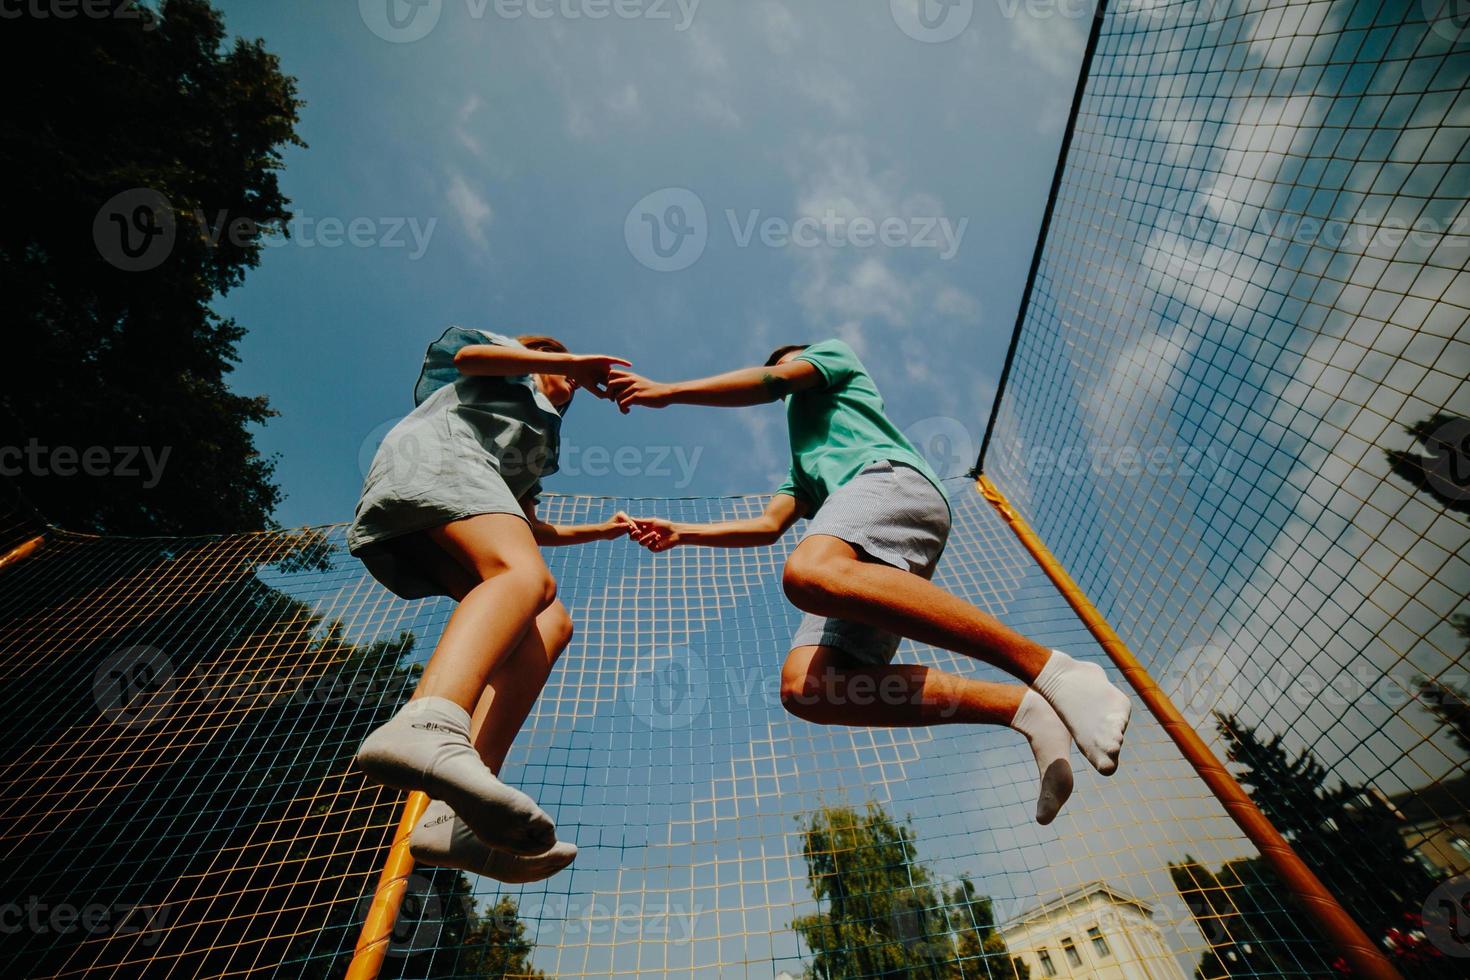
<point x="799" y="689"/>
<point x="806" y="580"/>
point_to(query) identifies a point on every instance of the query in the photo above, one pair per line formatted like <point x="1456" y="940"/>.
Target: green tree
<point x="881" y="914"/>
<point x="1444" y="472"/>
<point x="143" y="152"/>
<point x="1238" y="910"/>
<point x="1348" y="835"/>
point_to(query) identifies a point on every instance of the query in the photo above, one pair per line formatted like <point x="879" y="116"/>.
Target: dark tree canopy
<point x="142" y="151"/>
<point x="1349" y="836"/>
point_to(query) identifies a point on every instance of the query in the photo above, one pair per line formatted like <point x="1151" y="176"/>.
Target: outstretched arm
<point x="657" y="534"/>
<point x="735" y="389"/>
<point x="588" y="371"/>
<point x="557" y="535"/>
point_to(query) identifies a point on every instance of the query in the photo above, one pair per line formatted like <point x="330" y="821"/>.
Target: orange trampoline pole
<point x="1365" y="958"/>
<point x="21" y="551"/>
<point x="377" y="930"/>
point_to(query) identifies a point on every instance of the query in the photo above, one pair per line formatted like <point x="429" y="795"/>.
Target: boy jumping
<point x="861" y="573"/>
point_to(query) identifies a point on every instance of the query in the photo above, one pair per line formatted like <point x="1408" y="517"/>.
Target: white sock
<point x="444" y="840"/>
<point x="426" y="746"/>
<point x="1051" y="743"/>
<point x="1094" y="711"/>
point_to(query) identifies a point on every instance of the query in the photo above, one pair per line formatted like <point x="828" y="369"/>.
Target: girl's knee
<point x="535" y="583"/>
<point x="557" y="629"/>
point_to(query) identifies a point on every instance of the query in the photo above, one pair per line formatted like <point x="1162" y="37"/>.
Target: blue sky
<point x="495" y="172"/>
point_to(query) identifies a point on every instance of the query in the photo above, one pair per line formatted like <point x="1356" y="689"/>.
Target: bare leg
<point x="427" y="746"/>
<point x="442" y="838"/>
<point x="517" y="683"/>
<point x="825" y="686"/>
<point x="513" y="586"/>
<point x="829" y="577"/>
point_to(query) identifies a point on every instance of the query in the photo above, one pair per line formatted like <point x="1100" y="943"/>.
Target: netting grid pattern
<point x="1237" y="407"/>
<point x="212" y="793"/>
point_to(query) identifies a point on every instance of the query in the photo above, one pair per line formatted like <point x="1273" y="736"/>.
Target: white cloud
<point x="473" y="211"/>
<point x="624" y="102"/>
<point x="461" y="126"/>
<point x="829" y="89"/>
<point x="955" y="302"/>
<point x="781" y="30"/>
<point x="1056" y="43"/>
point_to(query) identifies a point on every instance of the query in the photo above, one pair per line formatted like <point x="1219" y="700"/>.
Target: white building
<point x="1095" y="931"/>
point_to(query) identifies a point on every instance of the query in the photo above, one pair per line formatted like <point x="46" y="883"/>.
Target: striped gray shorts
<point x="893" y="514"/>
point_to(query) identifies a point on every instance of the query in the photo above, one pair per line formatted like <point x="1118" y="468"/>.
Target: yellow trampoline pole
<point x="21" y="552"/>
<point x="377" y="930"/>
<point x="1331" y="918"/>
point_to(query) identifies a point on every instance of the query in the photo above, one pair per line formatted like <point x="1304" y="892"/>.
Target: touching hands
<point x="629" y="389"/>
<point x="593" y="372"/>
<point x="654" y="533"/>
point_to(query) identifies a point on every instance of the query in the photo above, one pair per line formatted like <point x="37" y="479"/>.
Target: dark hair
<point x="535" y="341"/>
<point x="781" y="352"/>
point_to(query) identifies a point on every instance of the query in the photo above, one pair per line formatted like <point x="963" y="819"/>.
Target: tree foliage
<point x="107" y="350"/>
<point x="1348" y="835"/>
<point x="882" y="915"/>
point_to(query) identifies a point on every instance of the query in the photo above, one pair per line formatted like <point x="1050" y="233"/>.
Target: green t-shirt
<point x="839" y="428"/>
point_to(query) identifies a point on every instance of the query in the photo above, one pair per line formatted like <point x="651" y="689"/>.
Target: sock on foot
<point x="442" y="839"/>
<point x="1051" y="743"/>
<point x="426" y="746"/>
<point x="1094" y="711"/>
